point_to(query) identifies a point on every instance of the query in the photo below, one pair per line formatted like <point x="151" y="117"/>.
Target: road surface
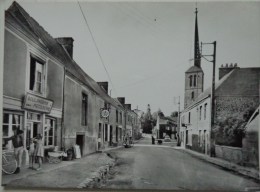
<point x="148" y="166"/>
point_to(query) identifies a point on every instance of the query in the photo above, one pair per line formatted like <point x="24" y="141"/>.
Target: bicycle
<point x="9" y="163"/>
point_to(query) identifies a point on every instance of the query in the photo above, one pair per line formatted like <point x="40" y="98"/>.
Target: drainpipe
<point x="62" y="117"/>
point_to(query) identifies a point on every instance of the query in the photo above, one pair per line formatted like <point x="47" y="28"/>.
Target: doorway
<point x="80" y="142"/>
<point x="111" y="135"/>
<point x="33" y="129"/>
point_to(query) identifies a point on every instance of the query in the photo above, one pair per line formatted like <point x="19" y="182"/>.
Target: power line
<point x="94" y="41"/>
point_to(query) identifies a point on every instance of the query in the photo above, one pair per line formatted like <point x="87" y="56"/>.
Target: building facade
<point x="46" y="92"/>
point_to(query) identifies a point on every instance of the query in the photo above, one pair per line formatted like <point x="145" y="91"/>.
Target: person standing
<point x="17" y="140"/>
<point x="39" y="151"/>
<point x="31" y="154"/>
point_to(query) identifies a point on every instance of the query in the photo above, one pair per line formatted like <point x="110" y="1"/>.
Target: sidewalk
<point x="246" y="171"/>
<point x="67" y="174"/>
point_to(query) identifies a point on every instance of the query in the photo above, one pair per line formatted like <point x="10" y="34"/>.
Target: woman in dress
<point x="39" y="151"/>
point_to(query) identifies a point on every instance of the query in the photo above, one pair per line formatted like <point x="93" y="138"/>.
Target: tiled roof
<point x="194" y="69"/>
<point x="22" y="21"/>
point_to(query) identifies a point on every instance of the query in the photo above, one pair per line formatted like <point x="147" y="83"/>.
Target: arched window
<point x="195" y="80"/>
<point x="190" y="80"/>
<point x="192" y="95"/>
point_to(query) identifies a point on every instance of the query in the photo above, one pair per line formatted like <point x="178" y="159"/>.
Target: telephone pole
<point x="212" y="145"/>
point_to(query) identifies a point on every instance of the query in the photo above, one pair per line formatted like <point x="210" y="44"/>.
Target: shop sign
<point x="104" y="113"/>
<point x="37" y="103"/>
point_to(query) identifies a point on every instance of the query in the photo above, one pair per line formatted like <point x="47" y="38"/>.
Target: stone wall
<point x="227" y="106"/>
<point x="232" y="154"/>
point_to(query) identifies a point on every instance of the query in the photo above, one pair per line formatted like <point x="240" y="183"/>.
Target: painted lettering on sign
<point x="36" y="103"/>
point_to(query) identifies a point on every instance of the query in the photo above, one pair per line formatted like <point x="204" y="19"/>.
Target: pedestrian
<point x="153" y="140"/>
<point x="17" y="140"/>
<point x="31" y="154"/>
<point x="39" y="151"/>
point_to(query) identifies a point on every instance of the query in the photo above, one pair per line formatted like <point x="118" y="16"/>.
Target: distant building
<point x="164" y="127"/>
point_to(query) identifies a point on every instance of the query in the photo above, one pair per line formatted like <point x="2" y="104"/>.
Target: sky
<point x="147" y="46"/>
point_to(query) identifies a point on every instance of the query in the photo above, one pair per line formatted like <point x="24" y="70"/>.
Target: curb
<point x="227" y="165"/>
<point x="98" y="176"/>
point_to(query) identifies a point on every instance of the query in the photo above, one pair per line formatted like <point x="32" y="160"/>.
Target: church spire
<point x="196" y="42"/>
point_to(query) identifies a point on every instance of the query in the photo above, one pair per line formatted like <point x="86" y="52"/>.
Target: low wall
<point x="232" y="154"/>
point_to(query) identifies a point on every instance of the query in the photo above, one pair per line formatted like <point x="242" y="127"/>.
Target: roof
<point x="238" y="82"/>
<point x="23" y="22"/>
<point x="194" y="69"/>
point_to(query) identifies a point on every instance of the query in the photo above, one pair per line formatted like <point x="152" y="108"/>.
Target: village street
<point x="147" y="166"/>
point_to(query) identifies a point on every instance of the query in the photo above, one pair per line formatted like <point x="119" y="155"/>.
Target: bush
<point x="231" y="131"/>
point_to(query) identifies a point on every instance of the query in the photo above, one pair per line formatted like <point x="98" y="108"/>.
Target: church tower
<point x="194" y="76"/>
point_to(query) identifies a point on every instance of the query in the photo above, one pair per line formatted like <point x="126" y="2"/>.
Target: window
<point x="200" y="112"/>
<point x="189" y="117"/>
<point x="117" y="116"/>
<point x="195" y="80"/>
<point x="121" y="117"/>
<point x="50" y="138"/>
<point x="84" y="109"/>
<point x="190" y="80"/>
<point x="11" y="122"/>
<point x="205" y="110"/>
<point x="192" y="95"/>
<point x="36" y="75"/>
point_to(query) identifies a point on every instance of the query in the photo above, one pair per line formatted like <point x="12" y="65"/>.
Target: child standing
<point x="39" y="151"/>
<point x="31" y="154"/>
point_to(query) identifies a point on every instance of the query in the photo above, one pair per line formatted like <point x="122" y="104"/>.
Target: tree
<point x="174" y="114"/>
<point x="231" y="130"/>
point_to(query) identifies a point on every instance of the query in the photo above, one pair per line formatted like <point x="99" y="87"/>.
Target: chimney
<point x="104" y="85"/>
<point x="121" y="100"/>
<point x="128" y="106"/>
<point x="223" y="70"/>
<point x="67" y="43"/>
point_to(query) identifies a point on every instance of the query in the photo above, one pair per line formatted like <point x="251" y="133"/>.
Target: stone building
<point x="236" y="91"/>
<point x="46" y="92"/>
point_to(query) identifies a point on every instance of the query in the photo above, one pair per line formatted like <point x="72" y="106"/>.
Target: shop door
<point x="33" y="129"/>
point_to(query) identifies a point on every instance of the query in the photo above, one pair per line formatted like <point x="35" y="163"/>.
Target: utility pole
<point x="212" y="145"/>
<point x="179" y="123"/>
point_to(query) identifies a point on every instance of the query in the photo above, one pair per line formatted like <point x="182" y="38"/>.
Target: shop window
<point x="11" y="122"/>
<point x="36" y="75"/>
<point x="49" y="132"/>
<point x="84" y="109"/>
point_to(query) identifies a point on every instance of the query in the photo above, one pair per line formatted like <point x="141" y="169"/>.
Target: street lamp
<point x="212" y="91"/>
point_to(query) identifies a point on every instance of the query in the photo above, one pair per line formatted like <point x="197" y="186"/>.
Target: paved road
<point x="154" y="167"/>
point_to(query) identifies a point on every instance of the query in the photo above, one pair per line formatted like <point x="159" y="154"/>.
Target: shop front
<point x="34" y="117"/>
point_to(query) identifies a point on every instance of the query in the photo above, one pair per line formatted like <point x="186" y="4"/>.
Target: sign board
<point x="37" y="103"/>
<point x="104" y="113"/>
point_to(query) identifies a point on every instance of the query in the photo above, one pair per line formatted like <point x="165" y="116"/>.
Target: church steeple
<point x="194" y="76"/>
<point x="196" y="42"/>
